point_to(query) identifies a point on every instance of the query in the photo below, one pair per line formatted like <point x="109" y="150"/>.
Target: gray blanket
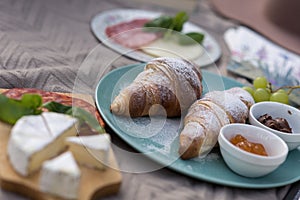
<point x="43" y="45"/>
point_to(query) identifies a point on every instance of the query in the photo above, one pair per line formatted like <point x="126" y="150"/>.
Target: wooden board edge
<point x="34" y="194"/>
<point x="21" y="190"/>
<point x="106" y="191"/>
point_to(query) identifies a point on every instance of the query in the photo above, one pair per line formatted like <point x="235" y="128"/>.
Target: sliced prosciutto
<point x="131" y="34"/>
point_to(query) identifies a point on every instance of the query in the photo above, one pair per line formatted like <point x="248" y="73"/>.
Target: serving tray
<point x="162" y="146"/>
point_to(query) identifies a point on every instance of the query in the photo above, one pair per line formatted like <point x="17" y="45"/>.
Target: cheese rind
<point x="91" y="151"/>
<point x="35" y="139"/>
<point x="61" y="176"/>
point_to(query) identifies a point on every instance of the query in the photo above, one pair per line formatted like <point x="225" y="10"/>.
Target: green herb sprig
<point x="175" y="24"/>
<point x="11" y="110"/>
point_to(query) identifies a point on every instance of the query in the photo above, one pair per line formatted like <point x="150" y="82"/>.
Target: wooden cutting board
<point x="93" y="183"/>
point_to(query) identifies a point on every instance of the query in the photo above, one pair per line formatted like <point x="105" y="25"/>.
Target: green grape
<point x="281" y="97"/>
<point x="282" y="91"/>
<point x="261" y="94"/>
<point x="260" y="82"/>
<point x="249" y="89"/>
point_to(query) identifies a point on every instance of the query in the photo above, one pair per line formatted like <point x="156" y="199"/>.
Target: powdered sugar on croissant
<point x="243" y="95"/>
<point x="170" y="82"/>
<point x="236" y="110"/>
<point x="206" y="117"/>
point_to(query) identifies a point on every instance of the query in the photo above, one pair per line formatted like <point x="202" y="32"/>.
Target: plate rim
<point x="203" y="177"/>
<point x="140" y="56"/>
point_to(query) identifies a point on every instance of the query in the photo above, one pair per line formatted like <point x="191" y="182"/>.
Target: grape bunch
<point x="262" y="91"/>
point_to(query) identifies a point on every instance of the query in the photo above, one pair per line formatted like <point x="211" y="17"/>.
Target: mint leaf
<point x="174" y="24"/>
<point x="191" y="38"/>
<point x="178" y="21"/>
<point x="160" y="22"/>
<point x="11" y="109"/>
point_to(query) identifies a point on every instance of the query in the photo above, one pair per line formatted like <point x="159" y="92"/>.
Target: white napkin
<point x="278" y="64"/>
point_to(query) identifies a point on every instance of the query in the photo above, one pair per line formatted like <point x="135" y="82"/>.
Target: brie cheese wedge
<point x="91" y="151"/>
<point x="37" y="138"/>
<point x="61" y="176"/>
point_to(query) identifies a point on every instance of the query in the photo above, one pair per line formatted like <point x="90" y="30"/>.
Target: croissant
<point x="172" y="83"/>
<point x="207" y="115"/>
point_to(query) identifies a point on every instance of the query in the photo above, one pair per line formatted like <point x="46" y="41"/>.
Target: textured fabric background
<point x="43" y="44"/>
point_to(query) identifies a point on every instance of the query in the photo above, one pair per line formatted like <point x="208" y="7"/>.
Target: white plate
<point x="100" y="22"/>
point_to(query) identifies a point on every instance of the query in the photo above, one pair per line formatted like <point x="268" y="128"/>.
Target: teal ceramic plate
<point x="160" y="141"/>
